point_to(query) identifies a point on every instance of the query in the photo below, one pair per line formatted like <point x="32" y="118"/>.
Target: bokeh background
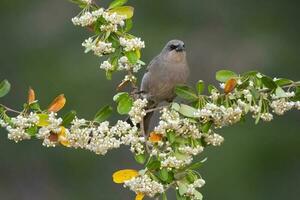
<point x="41" y="48"/>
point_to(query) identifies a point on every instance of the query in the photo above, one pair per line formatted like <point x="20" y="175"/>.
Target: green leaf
<point x="103" y="114"/>
<point x="132" y="56"/>
<point x="164" y="174"/>
<point x="185" y="92"/>
<point x="120" y="95"/>
<point x="268" y="82"/>
<point x="117" y="3"/>
<point x="205" y="127"/>
<point x="196" y="165"/>
<point x="225" y="75"/>
<point x="109" y="75"/>
<point x="175" y="106"/>
<point x="191" y="176"/>
<point x="182" y="188"/>
<point x="164" y="196"/>
<point x="250" y="73"/>
<point x="32" y="131"/>
<point x="35" y="106"/>
<point x="198" y="195"/>
<point x="200" y="87"/>
<point x="141" y="158"/>
<point x="124" y="10"/>
<point x="179" y="197"/>
<point x="187" y="111"/>
<point x="212" y="88"/>
<point x="282" y="82"/>
<point x="68" y="118"/>
<point x="280" y="93"/>
<point x="4" y="88"/>
<point x="128" y="25"/>
<point x="171" y="136"/>
<point x="125" y="105"/>
<point x="153" y="165"/>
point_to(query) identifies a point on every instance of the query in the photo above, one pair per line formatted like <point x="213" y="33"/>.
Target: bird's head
<point x="174" y="51"/>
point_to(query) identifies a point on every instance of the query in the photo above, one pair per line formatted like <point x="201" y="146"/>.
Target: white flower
<point x="17" y="134"/>
<point x="144" y="185"/>
<point x="214" y="139"/>
<point x="114" y="18"/>
<point x="85" y="19"/>
<point x="137" y="111"/>
<point x="191" y="150"/>
<point x="222" y="85"/>
<point x="124" y="64"/>
<point x="98" y="13"/>
<point x="89" y="2"/>
<point x="132" y="44"/>
<point x="266" y="117"/>
<point x="281" y="106"/>
<point x="102" y="48"/>
<point x="192" y="188"/>
<point x="106" y="66"/>
<point x="170" y="162"/>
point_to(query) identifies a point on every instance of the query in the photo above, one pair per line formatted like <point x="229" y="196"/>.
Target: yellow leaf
<point x="124" y="10"/>
<point x="57" y="104"/>
<point x="124" y="175"/>
<point x="138" y="53"/>
<point x="62" y="137"/>
<point x="43" y="120"/>
<point x="31" y="96"/>
<point x="139" y="196"/>
<point x="154" y="137"/>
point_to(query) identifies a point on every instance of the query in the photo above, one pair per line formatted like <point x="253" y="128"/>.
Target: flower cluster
<point x="18" y="126"/>
<point x="192" y="189"/>
<point x="145" y="185"/>
<point x="132" y="44"/>
<point x="124" y="64"/>
<point x="99" y="48"/>
<point x="137" y="111"/>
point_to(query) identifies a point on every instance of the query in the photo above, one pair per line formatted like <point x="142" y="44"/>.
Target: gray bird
<point x="165" y="71"/>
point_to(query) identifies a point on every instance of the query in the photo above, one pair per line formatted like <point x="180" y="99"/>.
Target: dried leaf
<point x="31" y="96"/>
<point x="230" y="85"/>
<point x="57" y="104"/>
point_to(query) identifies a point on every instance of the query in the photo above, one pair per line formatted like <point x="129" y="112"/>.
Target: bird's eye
<point x="172" y="47"/>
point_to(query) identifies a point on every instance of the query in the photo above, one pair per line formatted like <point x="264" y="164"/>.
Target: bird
<point x="168" y="69"/>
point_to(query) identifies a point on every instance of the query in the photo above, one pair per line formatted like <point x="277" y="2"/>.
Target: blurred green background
<point x="41" y="48"/>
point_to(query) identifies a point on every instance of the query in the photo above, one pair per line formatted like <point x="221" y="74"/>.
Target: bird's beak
<point x="180" y="48"/>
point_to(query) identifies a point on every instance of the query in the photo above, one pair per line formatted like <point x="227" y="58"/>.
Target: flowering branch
<point x="184" y="130"/>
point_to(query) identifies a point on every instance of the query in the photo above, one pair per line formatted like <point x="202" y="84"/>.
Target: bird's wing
<point x="153" y="62"/>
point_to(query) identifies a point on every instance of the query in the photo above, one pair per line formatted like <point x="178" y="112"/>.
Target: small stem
<point x="142" y="127"/>
<point x="9" y="109"/>
<point x="156" y="108"/>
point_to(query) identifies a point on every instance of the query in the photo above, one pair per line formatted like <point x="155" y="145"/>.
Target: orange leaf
<point x="57" y="104"/>
<point x="230" y="85"/>
<point x="154" y="137"/>
<point x="31" y="96"/>
<point x="124" y="175"/>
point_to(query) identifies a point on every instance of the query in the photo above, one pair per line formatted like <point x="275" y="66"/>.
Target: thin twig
<point x="142" y="127"/>
<point x="9" y="109"/>
<point x="156" y="108"/>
